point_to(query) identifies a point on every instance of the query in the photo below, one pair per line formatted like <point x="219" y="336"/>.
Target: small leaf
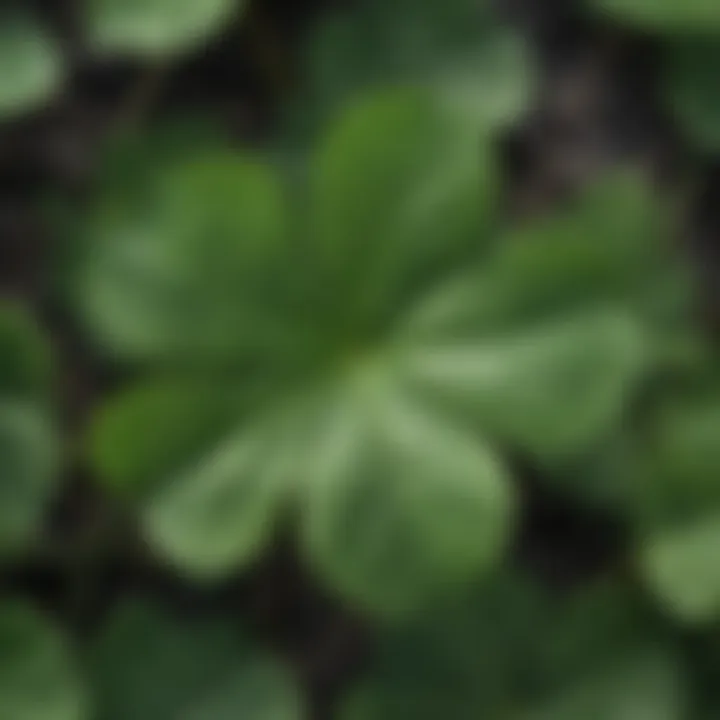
<point x="33" y="66"/>
<point x="147" y="665"/>
<point x="477" y="68"/>
<point x="38" y="677"/>
<point x="681" y="569"/>
<point x="28" y="465"/>
<point x="156" y="27"/>
<point x="25" y="365"/>
<point x="28" y="443"/>
<point x="690" y="82"/>
<point x="180" y="446"/>
<point x="698" y="16"/>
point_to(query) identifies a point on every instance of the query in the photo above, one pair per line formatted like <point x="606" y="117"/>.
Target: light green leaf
<point x="32" y="65"/>
<point x="148" y="665"/>
<point x="670" y="492"/>
<point x="552" y="389"/>
<point x="156" y="27"/>
<point x="38" y="677"/>
<point x="405" y="505"/>
<point x="210" y="486"/>
<point x="680" y="567"/>
<point x="219" y="513"/>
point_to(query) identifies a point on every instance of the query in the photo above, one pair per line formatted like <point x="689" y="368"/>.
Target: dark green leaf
<point x="150" y="666"/>
<point x="515" y="652"/>
<point x="478" y="68"/>
<point x="691" y="78"/>
<point x="28" y="443"/>
<point x="38" y="677"/>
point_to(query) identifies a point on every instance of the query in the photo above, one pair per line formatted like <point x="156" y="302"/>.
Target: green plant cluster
<point x="368" y="350"/>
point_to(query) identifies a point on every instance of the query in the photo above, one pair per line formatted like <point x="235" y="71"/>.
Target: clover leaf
<point x="28" y="444"/>
<point x="149" y="665"/>
<point x="697" y="16"/>
<point x="680" y="501"/>
<point x="38" y="676"/>
<point x="32" y="65"/>
<point x="457" y="48"/>
<point x="155" y="27"/>
<point x="354" y="349"/>
<point x="513" y="651"/>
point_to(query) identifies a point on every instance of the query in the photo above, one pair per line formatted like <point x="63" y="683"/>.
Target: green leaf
<point x="680" y="568"/>
<point x="698" y="16"/>
<point x="28" y="442"/>
<point x="302" y="350"/>
<point x="25" y="364"/>
<point x="28" y="473"/>
<point x="691" y="75"/>
<point x="405" y="498"/>
<point x="148" y="665"/>
<point x="641" y="685"/>
<point x="32" y="62"/>
<point x="38" y="677"/>
<point x="185" y="248"/>
<point x="401" y="196"/>
<point x="156" y="27"/>
<point x="512" y="651"/>
<point x="552" y="389"/>
<point x="478" y="68"/>
<point x="680" y="461"/>
<point x="677" y="504"/>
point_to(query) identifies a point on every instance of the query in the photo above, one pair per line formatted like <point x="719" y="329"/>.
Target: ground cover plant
<point x="359" y="360"/>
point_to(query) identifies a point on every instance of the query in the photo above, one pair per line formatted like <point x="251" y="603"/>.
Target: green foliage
<point x="363" y="359"/>
<point x="456" y="48"/>
<point x="155" y="27"/>
<point x="680" y="505"/>
<point x="28" y="446"/>
<point x="691" y="77"/>
<point x="33" y="67"/>
<point x="147" y="665"/>
<point x="38" y="677"/>
<point x="516" y="651"/>
<point x="699" y="16"/>
<point x="367" y="356"/>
